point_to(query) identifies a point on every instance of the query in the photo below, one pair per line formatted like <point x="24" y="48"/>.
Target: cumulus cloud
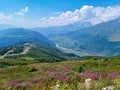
<point x="22" y="11"/>
<point x="87" y="13"/>
<point x="12" y="20"/>
<point x="5" y="18"/>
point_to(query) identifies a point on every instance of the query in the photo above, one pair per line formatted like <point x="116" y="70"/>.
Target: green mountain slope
<point x="38" y="51"/>
<point x="18" y="35"/>
<point x="102" y="39"/>
<point x="20" y="43"/>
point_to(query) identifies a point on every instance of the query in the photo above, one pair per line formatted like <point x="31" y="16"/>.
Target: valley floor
<point x="92" y="74"/>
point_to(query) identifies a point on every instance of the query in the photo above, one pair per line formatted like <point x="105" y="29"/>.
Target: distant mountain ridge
<point x="102" y="39"/>
<point x="48" y="31"/>
<point x="17" y="35"/>
<point x="6" y="26"/>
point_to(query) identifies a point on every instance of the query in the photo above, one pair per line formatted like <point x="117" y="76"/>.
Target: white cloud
<point x="22" y="11"/>
<point x="5" y="18"/>
<point x="87" y="13"/>
<point x="57" y="13"/>
<point x="12" y="20"/>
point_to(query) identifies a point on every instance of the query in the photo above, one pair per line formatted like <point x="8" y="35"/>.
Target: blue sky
<point x="35" y="10"/>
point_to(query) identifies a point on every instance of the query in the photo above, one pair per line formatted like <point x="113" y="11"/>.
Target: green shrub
<point x="94" y="58"/>
<point x="80" y="69"/>
<point x="105" y="59"/>
<point x="32" y="69"/>
<point x="23" y="63"/>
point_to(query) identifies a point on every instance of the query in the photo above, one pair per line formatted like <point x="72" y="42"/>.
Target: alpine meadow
<point x="59" y="45"/>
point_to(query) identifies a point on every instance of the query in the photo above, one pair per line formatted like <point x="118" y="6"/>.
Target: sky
<point x="45" y="13"/>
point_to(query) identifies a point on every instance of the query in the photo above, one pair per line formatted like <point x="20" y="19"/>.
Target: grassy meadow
<point x="29" y="74"/>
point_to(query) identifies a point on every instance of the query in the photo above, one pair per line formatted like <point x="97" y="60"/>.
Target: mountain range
<point x="48" y="31"/>
<point x="19" y="42"/>
<point x="59" y="43"/>
<point x="102" y="39"/>
<point x="16" y="35"/>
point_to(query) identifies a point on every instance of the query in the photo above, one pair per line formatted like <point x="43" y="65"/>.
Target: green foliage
<point x="15" y="62"/>
<point x="4" y="50"/>
<point x="80" y="68"/>
<point x="17" y="49"/>
<point x="4" y="64"/>
<point x="32" y="69"/>
<point x="94" y="58"/>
